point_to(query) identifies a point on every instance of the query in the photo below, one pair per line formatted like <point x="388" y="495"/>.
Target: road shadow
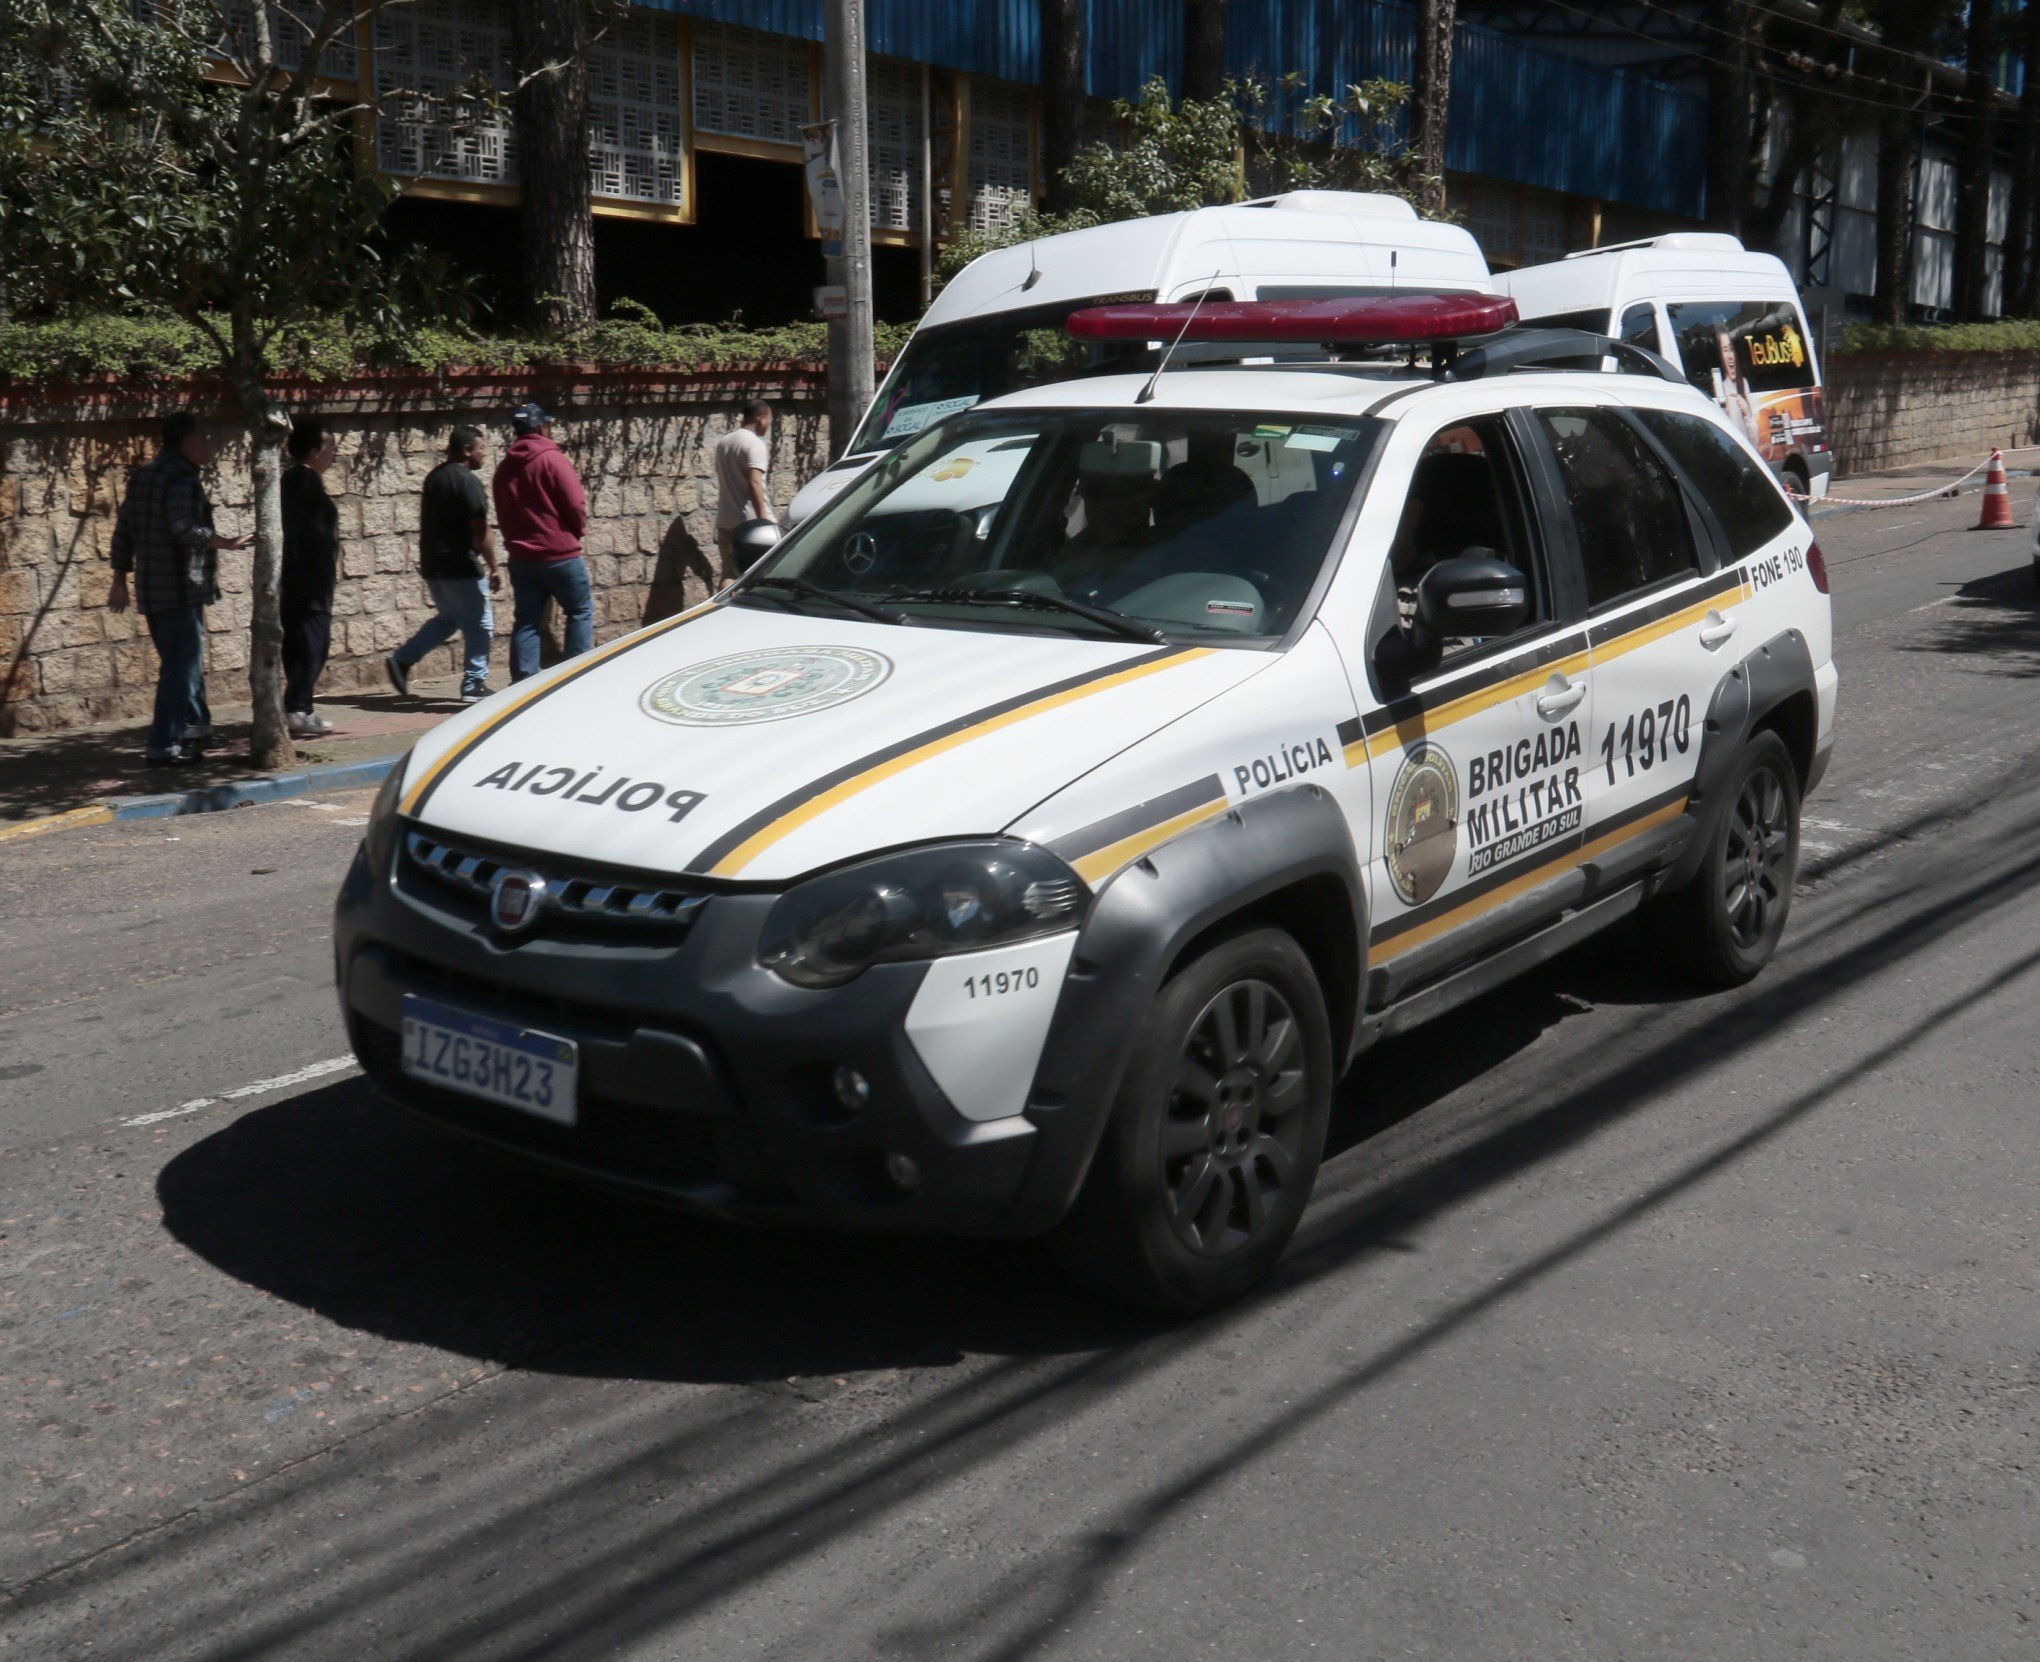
<point x="1992" y="621"/>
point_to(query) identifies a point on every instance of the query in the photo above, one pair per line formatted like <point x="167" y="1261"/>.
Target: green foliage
<point x="2010" y="334"/>
<point x="160" y="350"/>
<point x="1254" y="139"/>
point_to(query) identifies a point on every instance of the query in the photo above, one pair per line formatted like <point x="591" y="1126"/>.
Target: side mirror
<point x="1473" y="596"/>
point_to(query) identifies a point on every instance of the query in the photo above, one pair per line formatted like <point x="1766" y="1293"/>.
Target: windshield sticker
<point x="909" y="419"/>
<point x="1231" y="608"/>
<point x="1312" y="441"/>
<point x="955" y="468"/>
<point x="1272" y="430"/>
<point x="771" y="684"/>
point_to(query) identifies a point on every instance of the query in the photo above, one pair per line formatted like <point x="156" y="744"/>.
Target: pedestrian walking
<point x="455" y="549"/>
<point x="743" y="460"/>
<point x="311" y="566"/>
<point x="542" y="512"/>
<point x="165" y="540"/>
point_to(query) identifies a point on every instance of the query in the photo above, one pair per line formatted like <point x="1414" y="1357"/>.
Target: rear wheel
<point x="1724" y="925"/>
<point x="1216" y="1135"/>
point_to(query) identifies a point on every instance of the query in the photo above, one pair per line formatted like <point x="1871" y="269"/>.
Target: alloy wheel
<point x="1756" y="863"/>
<point x="1232" y="1128"/>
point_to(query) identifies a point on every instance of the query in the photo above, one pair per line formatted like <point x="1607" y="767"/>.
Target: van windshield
<point x="946" y="370"/>
<point x="1760" y="344"/>
<point x="1157" y="524"/>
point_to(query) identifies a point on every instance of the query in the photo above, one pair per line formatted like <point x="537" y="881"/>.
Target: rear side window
<point x="1747" y="345"/>
<point x="1639" y="326"/>
<point x="1626" y="507"/>
<point x="1733" y="483"/>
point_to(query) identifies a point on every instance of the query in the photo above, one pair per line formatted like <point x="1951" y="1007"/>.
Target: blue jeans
<point x="462" y="609"/>
<point x="533" y="583"/>
<point x="179" y="634"/>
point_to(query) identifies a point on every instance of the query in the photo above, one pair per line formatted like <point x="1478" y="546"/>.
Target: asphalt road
<point x="1626" y="1324"/>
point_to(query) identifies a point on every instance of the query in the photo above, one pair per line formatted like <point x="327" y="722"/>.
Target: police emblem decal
<point x="769" y="684"/>
<point x="515" y="898"/>
<point x="1423" y="824"/>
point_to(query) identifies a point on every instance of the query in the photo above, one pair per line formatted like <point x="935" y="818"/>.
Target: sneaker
<point x="198" y="737"/>
<point x="305" y="724"/>
<point x="399" y="674"/>
<point x="475" y="693"/>
<point x="177" y="756"/>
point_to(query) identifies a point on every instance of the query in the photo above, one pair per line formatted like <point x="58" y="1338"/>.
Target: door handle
<point x="1559" y="697"/>
<point x="1714" y="629"/>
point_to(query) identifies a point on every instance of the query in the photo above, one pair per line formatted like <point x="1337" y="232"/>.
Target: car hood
<point x="755" y="744"/>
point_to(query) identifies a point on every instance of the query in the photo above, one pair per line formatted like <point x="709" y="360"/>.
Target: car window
<point x="1627" y="510"/>
<point x="1465" y="496"/>
<point x="1739" y="489"/>
<point x="1746" y="346"/>
<point x="1204" y="523"/>
<point x="1639" y="326"/>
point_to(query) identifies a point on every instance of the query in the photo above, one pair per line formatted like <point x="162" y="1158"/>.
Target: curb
<point x="211" y="799"/>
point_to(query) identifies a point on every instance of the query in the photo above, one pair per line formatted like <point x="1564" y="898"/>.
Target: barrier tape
<point x="1891" y="501"/>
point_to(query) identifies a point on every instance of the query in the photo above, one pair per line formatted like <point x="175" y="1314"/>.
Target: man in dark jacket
<point x="542" y="512"/>
<point x="165" y="540"/>
<point x="454" y="545"/>
<point x="311" y="566"/>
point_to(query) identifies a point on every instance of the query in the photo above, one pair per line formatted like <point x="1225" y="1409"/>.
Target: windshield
<point x="1159" y="524"/>
<point x="944" y="371"/>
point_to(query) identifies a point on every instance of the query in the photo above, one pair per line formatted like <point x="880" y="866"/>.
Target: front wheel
<point x="1724" y="925"/>
<point x="1216" y="1134"/>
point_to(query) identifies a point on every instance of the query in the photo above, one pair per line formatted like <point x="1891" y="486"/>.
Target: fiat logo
<point x="515" y="898"/>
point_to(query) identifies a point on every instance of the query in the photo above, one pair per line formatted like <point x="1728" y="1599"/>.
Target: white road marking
<point x="283" y="1081"/>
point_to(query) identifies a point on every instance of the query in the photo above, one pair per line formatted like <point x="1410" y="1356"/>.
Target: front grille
<point x="576" y="894"/>
<point x="627" y="1141"/>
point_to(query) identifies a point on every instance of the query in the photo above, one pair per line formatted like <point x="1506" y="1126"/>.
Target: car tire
<point x="1723" y="925"/>
<point x="1215" y="1136"/>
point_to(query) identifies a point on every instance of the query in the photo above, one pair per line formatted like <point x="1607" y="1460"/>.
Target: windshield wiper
<point x="814" y="591"/>
<point x="1118" y="622"/>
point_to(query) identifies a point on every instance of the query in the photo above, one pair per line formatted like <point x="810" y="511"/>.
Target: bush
<point x="2010" y="334"/>
<point x="158" y="349"/>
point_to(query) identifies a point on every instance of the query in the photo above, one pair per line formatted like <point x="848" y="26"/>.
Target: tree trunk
<point x="1062" y="95"/>
<point x="2020" y="274"/>
<point x="1730" y="132"/>
<point x="1972" y="201"/>
<point x="270" y="746"/>
<point x="1431" y="99"/>
<point x="550" y="42"/>
<point x="1203" y="48"/>
<point x="1894" y="215"/>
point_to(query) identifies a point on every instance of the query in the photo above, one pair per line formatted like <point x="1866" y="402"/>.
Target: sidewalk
<point x="63" y="772"/>
<point x="1924" y="476"/>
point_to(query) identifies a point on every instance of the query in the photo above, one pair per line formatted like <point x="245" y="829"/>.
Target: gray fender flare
<point x="1139" y="924"/>
<point x="1780" y="669"/>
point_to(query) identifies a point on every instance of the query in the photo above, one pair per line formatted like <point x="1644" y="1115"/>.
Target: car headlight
<point x="924" y="903"/>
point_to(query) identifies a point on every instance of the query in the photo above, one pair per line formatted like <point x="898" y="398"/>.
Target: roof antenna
<point x="1147" y="393"/>
<point x="1033" y="266"/>
<point x="1391" y="269"/>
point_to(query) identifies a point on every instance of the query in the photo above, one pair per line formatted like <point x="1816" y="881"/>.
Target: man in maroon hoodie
<point x="542" y="511"/>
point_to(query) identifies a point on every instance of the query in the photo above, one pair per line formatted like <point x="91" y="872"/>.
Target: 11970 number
<point x="1649" y="738"/>
<point x="995" y="982"/>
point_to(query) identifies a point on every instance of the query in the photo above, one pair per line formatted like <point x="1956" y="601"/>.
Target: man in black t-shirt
<point x="455" y="547"/>
<point x="311" y="565"/>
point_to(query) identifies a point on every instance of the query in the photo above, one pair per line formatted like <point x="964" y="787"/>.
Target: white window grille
<point x="1546" y="234"/>
<point x="749" y="85"/>
<point x="1001" y="154"/>
<point x="894" y="92"/>
<point x="636" y="131"/>
<point x="291" y="23"/>
<point x="428" y="54"/>
<point x="1490" y="211"/>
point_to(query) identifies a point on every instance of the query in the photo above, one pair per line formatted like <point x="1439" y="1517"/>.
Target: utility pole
<point x="851" y="366"/>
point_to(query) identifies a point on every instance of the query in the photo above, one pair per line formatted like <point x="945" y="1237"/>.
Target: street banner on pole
<point x="824" y="177"/>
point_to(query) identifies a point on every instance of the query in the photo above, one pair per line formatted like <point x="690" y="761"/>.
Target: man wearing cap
<point x="542" y="512"/>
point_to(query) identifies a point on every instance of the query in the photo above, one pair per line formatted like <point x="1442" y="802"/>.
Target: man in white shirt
<point x="741" y="461"/>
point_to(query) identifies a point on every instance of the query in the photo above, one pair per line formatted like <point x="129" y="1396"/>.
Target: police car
<point x="1032" y="840"/>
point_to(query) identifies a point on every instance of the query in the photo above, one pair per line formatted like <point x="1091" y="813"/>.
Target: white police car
<point x="1033" y="840"/>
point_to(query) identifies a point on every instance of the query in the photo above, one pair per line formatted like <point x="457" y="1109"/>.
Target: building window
<point x="1001" y="154"/>
<point x="895" y="93"/>
<point x="291" y="25"/>
<point x="749" y="85"/>
<point x="637" y="147"/>
<point x="426" y="55"/>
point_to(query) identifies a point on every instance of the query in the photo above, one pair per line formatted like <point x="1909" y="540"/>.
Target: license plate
<point x="493" y="1060"/>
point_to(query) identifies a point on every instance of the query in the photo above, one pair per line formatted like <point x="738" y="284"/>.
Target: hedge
<point x="166" y="349"/>
<point x="2010" y="334"/>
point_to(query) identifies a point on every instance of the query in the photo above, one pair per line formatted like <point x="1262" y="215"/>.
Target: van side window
<point x="1639" y="326"/>
<point x="1466" y="495"/>
<point x="1626" y="506"/>
<point x="1741" y="493"/>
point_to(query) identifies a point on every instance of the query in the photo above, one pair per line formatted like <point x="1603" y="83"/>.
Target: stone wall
<point x="641" y="443"/>
<point x="1892" y="409"/>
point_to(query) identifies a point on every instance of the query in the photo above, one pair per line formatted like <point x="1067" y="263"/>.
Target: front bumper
<point x="706" y="1081"/>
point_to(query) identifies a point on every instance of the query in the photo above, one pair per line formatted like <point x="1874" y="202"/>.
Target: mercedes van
<point x="1730" y="318"/>
<point x="998" y="326"/>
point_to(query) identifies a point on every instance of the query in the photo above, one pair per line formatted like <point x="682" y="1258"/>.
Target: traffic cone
<point x="1997" y="499"/>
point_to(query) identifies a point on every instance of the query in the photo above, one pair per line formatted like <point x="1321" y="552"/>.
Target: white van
<point x="998" y="326"/>
<point x="1731" y="319"/>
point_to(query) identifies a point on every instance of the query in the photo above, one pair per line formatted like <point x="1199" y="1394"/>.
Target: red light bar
<point x="1374" y="320"/>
